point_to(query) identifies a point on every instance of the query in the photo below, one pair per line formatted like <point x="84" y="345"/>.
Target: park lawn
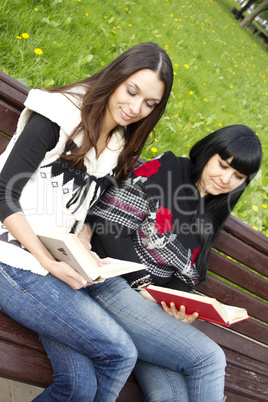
<point x="220" y="70"/>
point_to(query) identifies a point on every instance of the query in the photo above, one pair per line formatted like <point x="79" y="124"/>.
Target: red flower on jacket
<point x="163" y="220"/>
<point x="195" y="254"/>
<point x="148" y="169"/>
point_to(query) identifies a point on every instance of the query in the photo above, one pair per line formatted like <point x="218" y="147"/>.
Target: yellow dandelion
<point x="38" y="51"/>
<point x="174" y="73"/>
<point x="171" y="15"/>
<point x="231" y="86"/>
<point x="176" y="65"/>
<point x="153" y="149"/>
<point x="255" y="227"/>
<point x="255" y="208"/>
<point x="233" y="72"/>
<point x="264" y="206"/>
<point x="186" y="66"/>
<point x="266" y="94"/>
<point x="126" y="9"/>
<point x="130" y="25"/>
<point x="86" y="14"/>
<point x="204" y="43"/>
<point x="191" y="92"/>
<point x="105" y="16"/>
<point x="204" y="83"/>
<point x="205" y="100"/>
<point x="25" y="35"/>
<point x="18" y="37"/>
<point x="36" y="9"/>
<point x="155" y="140"/>
<point x="220" y="124"/>
<point x="171" y="117"/>
<point x="176" y="115"/>
<point x="229" y="257"/>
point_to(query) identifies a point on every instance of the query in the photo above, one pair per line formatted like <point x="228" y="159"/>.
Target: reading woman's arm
<point x="39" y="136"/>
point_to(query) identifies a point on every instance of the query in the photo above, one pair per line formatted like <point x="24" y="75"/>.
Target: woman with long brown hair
<point x="68" y="140"/>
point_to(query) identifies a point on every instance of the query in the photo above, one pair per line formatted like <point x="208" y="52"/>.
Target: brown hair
<point x="99" y="88"/>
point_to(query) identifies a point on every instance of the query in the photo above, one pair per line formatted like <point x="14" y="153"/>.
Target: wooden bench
<point x="252" y="26"/>
<point x="23" y="358"/>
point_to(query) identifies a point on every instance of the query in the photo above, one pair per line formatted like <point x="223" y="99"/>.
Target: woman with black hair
<point x="67" y="142"/>
<point x="167" y="215"/>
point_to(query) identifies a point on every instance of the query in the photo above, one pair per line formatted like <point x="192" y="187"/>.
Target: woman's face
<point x="219" y="177"/>
<point x="134" y="99"/>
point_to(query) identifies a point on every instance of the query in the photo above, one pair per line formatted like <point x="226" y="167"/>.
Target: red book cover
<point x="209" y="309"/>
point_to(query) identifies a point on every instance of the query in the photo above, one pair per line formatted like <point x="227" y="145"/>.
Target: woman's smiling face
<point x="135" y="98"/>
<point x="218" y="177"/>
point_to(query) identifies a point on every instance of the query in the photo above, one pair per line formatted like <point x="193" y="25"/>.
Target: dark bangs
<point x="246" y="152"/>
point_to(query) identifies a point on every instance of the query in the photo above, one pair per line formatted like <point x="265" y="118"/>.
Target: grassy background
<point x="220" y="70"/>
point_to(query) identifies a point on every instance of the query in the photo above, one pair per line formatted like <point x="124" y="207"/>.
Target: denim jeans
<point x="177" y="362"/>
<point x="91" y="355"/>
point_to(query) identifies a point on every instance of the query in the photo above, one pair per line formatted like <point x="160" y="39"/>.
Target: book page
<point x="233" y="312"/>
<point x="120" y="266"/>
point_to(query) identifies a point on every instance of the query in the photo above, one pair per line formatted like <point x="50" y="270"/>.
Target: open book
<point x="208" y="308"/>
<point x="68" y="248"/>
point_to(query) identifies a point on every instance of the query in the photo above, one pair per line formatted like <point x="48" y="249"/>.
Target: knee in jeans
<point x="217" y="358"/>
<point x="127" y="351"/>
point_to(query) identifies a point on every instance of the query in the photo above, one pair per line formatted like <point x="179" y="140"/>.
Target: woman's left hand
<point x="180" y="315"/>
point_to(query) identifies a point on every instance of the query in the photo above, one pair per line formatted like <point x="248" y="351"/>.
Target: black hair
<point x="242" y="144"/>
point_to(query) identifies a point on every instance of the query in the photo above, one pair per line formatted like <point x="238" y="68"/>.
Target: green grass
<point x="220" y="70"/>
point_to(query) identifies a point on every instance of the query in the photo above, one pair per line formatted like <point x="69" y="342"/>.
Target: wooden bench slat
<point x="232" y="341"/>
<point x="8" y="117"/>
<point x="13" y="332"/>
<point x="229" y="295"/>
<point x="231" y="397"/>
<point x="12" y="91"/>
<point x="245" y="254"/>
<point x="3" y="143"/>
<point x="246" y="383"/>
<point x="237" y="274"/>
<point x="240" y="229"/>
<point x="29" y="366"/>
<point x="240" y="360"/>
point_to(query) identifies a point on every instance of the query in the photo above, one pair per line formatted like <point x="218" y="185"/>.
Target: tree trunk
<point x="243" y="9"/>
<point x="263" y="6"/>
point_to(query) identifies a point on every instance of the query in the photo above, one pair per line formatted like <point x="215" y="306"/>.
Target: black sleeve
<point x="39" y="136"/>
<point x="178" y="284"/>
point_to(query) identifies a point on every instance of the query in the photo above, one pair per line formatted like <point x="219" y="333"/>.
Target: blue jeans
<point x="91" y="355"/>
<point x="194" y="364"/>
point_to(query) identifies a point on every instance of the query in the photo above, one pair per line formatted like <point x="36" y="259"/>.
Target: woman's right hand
<point x="67" y="274"/>
<point x="18" y="225"/>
